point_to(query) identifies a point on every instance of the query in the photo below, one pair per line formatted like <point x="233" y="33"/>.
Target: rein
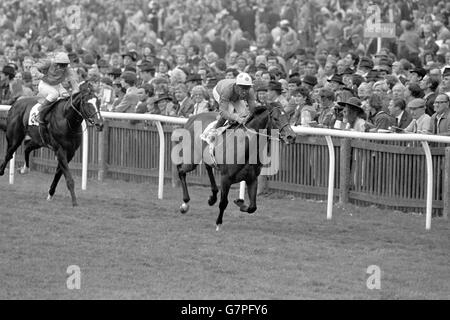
<point x="263" y="134"/>
<point x="88" y="118"/>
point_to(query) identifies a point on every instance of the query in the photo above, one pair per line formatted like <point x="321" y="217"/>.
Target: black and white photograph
<point x="224" y="155"/>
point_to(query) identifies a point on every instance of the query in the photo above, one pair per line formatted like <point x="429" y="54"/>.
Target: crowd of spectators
<point x="310" y="56"/>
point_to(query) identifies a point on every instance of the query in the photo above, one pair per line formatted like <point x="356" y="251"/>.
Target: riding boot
<point x="43" y="111"/>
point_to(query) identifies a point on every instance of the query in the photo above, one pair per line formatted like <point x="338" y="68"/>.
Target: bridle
<point x="88" y="117"/>
<point x="269" y="125"/>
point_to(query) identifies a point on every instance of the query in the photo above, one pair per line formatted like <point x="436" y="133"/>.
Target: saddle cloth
<point x="34" y="116"/>
<point x="33" y="119"/>
<point x="209" y="134"/>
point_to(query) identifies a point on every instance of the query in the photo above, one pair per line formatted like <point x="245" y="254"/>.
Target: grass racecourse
<point x="129" y="245"/>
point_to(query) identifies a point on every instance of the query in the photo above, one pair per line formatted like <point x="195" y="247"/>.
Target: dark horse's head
<point x="273" y="117"/>
<point x="89" y="106"/>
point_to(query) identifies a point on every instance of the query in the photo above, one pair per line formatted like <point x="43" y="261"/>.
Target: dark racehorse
<point x="64" y="133"/>
<point x="268" y="118"/>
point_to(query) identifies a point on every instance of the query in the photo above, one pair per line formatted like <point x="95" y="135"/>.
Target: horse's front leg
<point x="214" y="190"/>
<point x="64" y="164"/>
<point x="57" y="177"/>
<point x="225" y="186"/>
<point x="182" y="170"/>
<point x="252" y="189"/>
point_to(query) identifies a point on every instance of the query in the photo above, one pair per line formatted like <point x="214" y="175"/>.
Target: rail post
<point x="344" y="172"/>
<point x="446" y="192"/>
<point x="103" y="145"/>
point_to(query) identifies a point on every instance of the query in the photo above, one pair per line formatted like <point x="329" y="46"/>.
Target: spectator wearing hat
<point x="365" y="65"/>
<point x="421" y="122"/>
<point x="194" y="79"/>
<point x="129" y="59"/>
<point x="440" y="120"/>
<point x="347" y="77"/>
<point x="6" y="76"/>
<point x="185" y="104"/>
<point x="305" y="113"/>
<point x="416" y="75"/>
<point x="146" y="72"/>
<point x="114" y="73"/>
<point x="261" y="93"/>
<point x="354" y="115"/>
<point x="309" y="82"/>
<point x="131" y="98"/>
<point x="335" y="83"/>
<point x="378" y="118"/>
<point x="164" y="105"/>
<point x="274" y="94"/>
<point x="397" y="109"/>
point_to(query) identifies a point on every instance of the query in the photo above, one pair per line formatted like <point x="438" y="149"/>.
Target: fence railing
<point x="364" y="172"/>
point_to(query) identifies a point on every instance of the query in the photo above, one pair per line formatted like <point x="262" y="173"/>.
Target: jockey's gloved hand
<point x="238" y="119"/>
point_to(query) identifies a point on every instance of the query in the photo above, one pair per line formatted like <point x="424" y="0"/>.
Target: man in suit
<point x="132" y="96"/>
<point x="185" y="103"/>
<point x="421" y="122"/>
<point x="440" y="121"/>
<point x="397" y="109"/>
<point x="429" y="86"/>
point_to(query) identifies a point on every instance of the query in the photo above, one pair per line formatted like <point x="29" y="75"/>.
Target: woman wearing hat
<point x="354" y="115"/>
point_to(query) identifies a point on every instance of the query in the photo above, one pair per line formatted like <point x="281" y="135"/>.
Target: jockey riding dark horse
<point x="63" y="134"/>
<point x="241" y="169"/>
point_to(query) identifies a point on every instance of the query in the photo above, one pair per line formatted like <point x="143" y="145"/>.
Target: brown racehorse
<point x="269" y="118"/>
<point x="63" y="134"/>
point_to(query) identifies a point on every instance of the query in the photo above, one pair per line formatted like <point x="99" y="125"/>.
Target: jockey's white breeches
<point x="51" y="93"/>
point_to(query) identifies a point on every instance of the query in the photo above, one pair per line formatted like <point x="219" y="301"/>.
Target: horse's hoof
<point x="184" y="208"/>
<point x="239" y="202"/>
<point x="244" y="208"/>
<point x="251" y="210"/>
<point x="49" y="198"/>
<point x="212" y="201"/>
<point x="24" y="170"/>
<point x="218" y="227"/>
<point x="74" y="204"/>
